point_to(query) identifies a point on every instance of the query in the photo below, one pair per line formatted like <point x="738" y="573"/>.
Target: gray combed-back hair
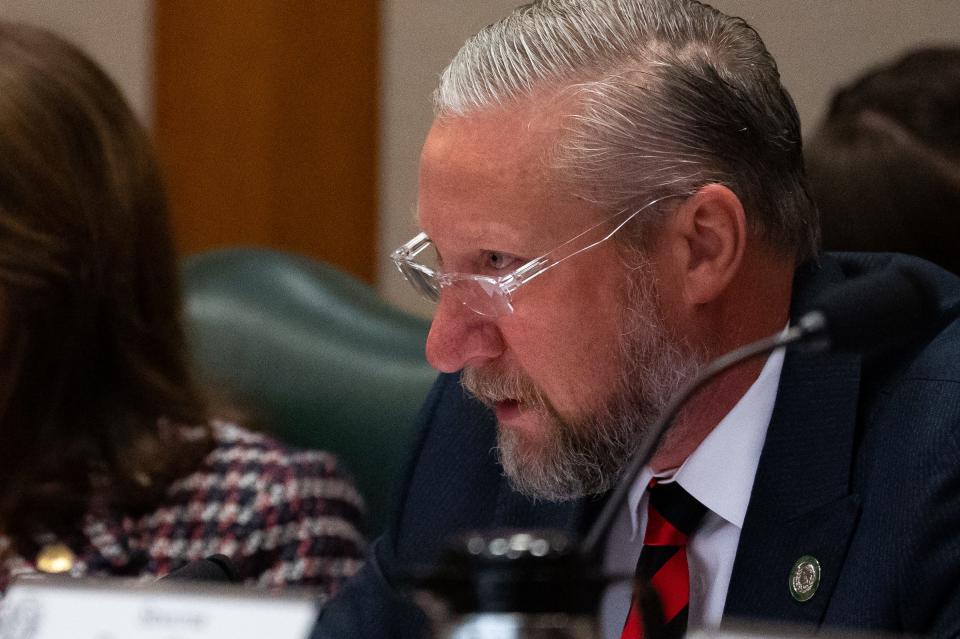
<point x="669" y="95"/>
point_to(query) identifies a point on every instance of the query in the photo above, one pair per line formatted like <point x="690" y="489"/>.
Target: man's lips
<point x="506" y="410"/>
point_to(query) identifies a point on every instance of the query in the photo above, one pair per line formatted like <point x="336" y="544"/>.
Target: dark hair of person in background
<point x="93" y="346"/>
<point x="884" y="167"/>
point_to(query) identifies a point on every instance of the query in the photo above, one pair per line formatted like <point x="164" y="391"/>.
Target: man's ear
<point x="709" y="237"/>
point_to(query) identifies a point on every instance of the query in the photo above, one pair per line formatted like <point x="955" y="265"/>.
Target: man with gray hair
<point x="612" y="194"/>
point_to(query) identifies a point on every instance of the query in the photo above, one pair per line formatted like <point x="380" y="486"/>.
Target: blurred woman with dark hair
<point x="109" y="461"/>
<point x="884" y="167"/>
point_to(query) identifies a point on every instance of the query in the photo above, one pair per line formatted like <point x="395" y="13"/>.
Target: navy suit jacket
<point x="860" y="469"/>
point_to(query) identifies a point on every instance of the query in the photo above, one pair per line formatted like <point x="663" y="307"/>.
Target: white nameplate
<point x="114" y="609"/>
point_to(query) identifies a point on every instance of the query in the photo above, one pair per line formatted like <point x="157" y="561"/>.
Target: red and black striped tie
<point x="672" y="516"/>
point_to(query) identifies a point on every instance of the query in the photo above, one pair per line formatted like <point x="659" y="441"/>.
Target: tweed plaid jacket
<point x="283" y="516"/>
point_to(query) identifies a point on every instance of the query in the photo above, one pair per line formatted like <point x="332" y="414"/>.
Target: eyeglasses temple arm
<point x="544" y="263"/>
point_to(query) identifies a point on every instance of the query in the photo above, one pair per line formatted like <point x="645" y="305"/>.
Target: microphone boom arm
<point x="812" y="324"/>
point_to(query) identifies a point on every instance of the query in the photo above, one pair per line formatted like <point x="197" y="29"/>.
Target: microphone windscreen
<point x="872" y="309"/>
<point x="212" y="568"/>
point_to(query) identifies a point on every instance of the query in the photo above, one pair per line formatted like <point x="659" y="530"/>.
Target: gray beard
<point x="587" y="454"/>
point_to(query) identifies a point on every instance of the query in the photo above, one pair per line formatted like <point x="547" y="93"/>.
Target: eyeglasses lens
<point x="481" y="296"/>
<point x="425" y="284"/>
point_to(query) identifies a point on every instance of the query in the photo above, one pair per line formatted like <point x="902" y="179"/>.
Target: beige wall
<point x="821" y="43"/>
<point x="116" y="33"/>
<point x="818" y="44"/>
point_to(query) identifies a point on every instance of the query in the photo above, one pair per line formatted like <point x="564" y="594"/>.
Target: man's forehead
<point x="501" y="143"/>
<point x="484" y="177"/>
<point x="515" y="231"/>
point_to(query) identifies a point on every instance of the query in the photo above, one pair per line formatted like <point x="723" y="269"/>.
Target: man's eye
<point x="498" y="261"/>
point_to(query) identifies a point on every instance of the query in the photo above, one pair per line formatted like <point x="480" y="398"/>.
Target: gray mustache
<point x="490" y="386"/>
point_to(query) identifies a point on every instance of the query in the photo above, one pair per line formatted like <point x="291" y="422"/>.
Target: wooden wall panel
<point x="266" y="125"/>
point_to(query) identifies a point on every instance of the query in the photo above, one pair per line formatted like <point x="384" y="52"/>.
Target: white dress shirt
<point x="719" y="474"/>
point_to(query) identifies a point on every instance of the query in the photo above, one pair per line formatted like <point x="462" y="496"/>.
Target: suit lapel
<point x="516" y="511"/>
<point x="801" y="502"/>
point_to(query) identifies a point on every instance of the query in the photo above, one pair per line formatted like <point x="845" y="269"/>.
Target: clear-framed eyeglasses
<point x="493" y="296"/>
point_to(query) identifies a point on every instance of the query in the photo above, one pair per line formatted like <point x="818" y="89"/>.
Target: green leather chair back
<point x="314" y="355"/>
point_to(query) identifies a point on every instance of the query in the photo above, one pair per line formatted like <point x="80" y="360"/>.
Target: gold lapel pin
<point x="804" y="578"/>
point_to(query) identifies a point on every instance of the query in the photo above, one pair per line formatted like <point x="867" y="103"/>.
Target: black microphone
<point x="852" y="317"/>
<point x="212" y="568"/>
<point x="876" y="308"/>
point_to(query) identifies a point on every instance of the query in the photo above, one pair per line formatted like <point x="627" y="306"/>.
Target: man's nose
<point x="459" y="337"/>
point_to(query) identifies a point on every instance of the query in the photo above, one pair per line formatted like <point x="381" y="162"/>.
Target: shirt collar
<point x="720" y="472"/>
